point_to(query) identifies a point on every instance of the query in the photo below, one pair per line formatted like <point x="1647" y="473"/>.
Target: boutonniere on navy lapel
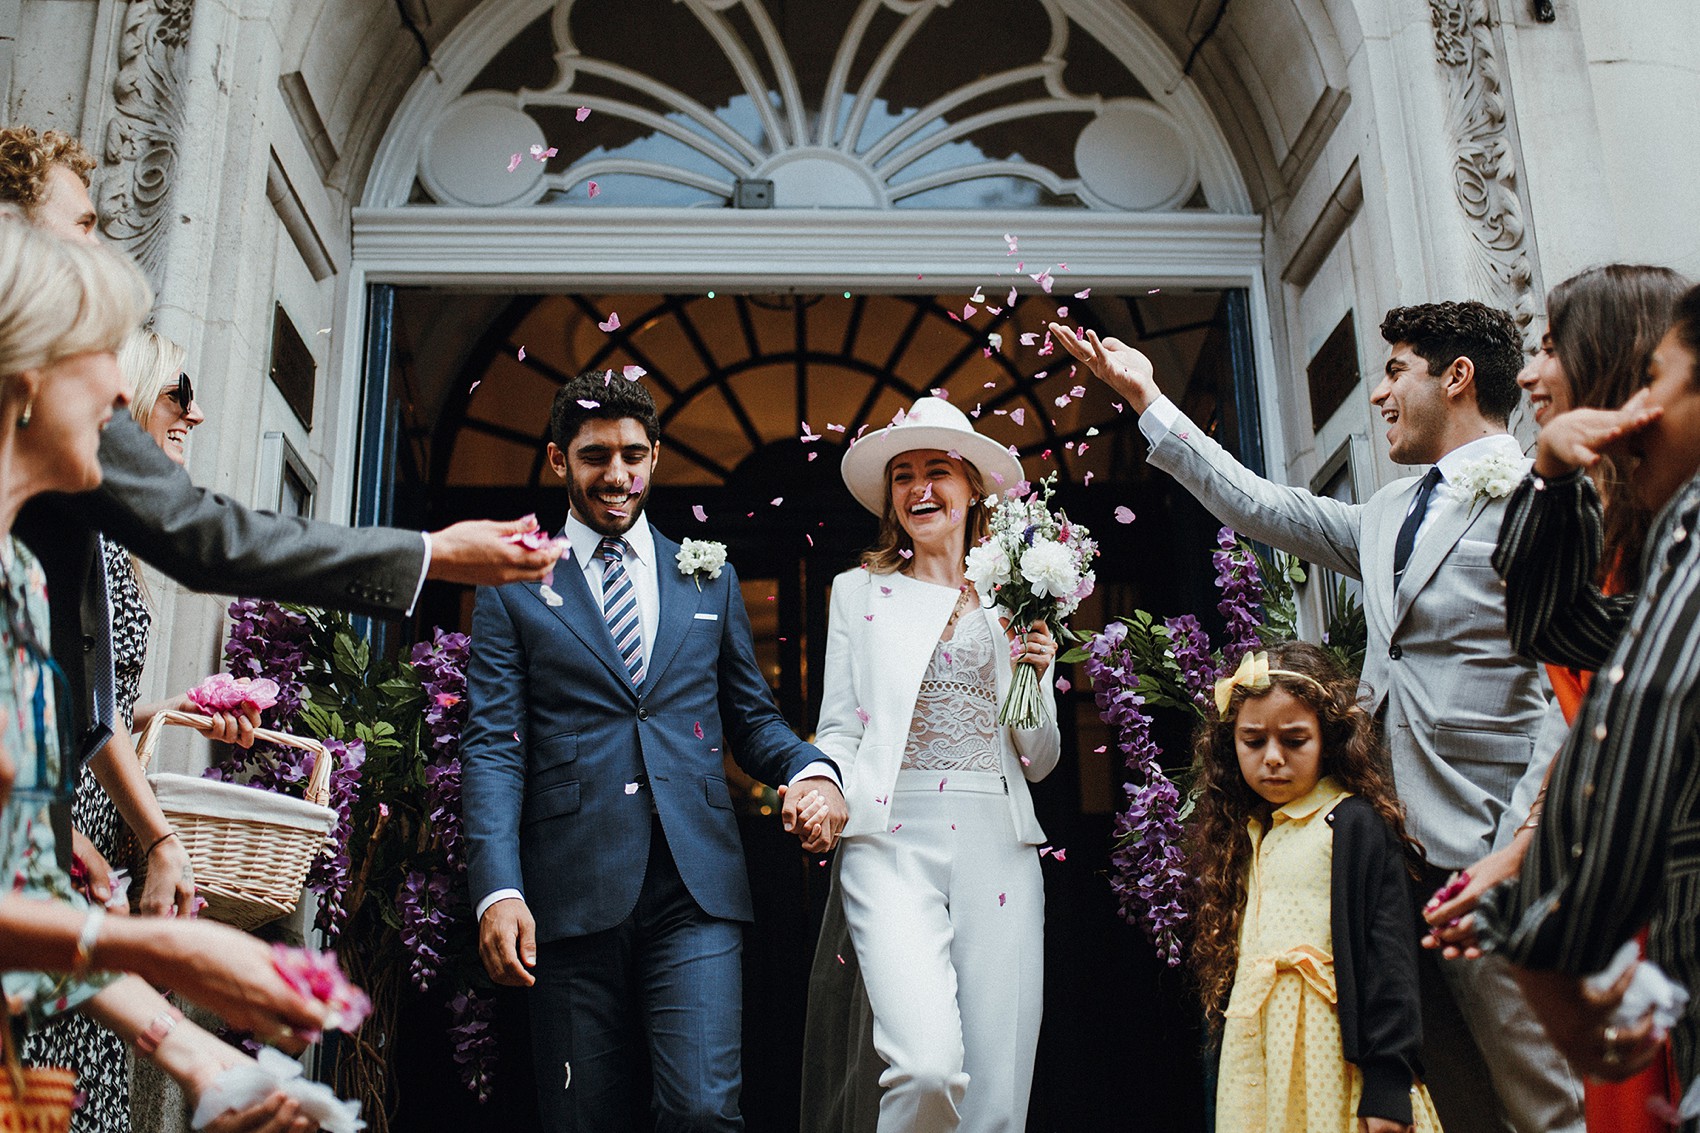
<point x="698" y="557"/>
<point x="535" y="540"/>
<point x="1491" y="477"/>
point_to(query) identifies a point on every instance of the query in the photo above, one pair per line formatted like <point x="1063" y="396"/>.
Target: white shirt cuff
<point x="1158" y="420"/>
<point x="424" y="569"/>
<point x="819" y="769"/>
<point x="498" y="895"/>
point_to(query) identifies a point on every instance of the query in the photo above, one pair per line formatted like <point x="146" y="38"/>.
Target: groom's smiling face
<point x="607" y="467"/>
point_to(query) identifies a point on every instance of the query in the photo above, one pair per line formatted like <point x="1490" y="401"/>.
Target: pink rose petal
<point x="589" y="404"/>
<point x="697" y="728"/>
<point x="513" y="162"/>
<point x="862" y="714"/>
<point x="582" y="113"/>
<point x="610" y="324"/>
<point x="697" y="510"/>
<point x="632" y="373"/>
<point x="1124" y="514"/>
<point x="521" y="354"/>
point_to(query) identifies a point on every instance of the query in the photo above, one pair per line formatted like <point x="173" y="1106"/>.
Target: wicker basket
<point x="38" y="1099"/>
<point x="250" y="848"/>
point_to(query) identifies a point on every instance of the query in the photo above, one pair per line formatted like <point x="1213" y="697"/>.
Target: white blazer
<point x="880" y="637"/>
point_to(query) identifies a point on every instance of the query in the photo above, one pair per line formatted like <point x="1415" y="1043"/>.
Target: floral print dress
<point x="98" y="1055"/>
<point x="30" y="734"/>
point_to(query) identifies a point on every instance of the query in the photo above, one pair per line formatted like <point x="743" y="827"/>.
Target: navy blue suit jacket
<point x="557" y="732"/>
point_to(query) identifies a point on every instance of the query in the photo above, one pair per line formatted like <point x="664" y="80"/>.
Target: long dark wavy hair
<point x="1218" y="845"/>
<point x="1605" y="323"/>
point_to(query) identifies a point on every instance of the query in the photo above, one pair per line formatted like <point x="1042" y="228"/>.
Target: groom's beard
<point x="589" y="508"/>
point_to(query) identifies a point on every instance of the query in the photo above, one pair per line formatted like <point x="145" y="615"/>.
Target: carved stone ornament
<point x="1484" y="170"/>
<point x="139" y="158"/>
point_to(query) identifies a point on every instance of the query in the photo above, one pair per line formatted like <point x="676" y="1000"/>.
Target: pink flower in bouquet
<point x="222" y="692"/>
<point x="318" y="976"/>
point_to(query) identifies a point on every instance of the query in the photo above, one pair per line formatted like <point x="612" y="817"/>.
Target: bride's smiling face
<point x="930" y="494"/>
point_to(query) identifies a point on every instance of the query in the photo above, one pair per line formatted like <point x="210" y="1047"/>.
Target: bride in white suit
<point x="939" y="871"/>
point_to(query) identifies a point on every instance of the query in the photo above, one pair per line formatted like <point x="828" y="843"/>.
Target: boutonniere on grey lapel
<point x="1490" y="477"/>
<point x="698" y="557"/>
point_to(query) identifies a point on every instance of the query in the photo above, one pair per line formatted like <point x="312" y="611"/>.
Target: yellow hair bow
<point x="1253" y="675"/>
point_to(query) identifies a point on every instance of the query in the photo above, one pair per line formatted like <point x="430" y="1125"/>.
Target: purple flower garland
<point x="1241" y="584"/>
<point x="431" y="901"/>
<point x="1145" y="866"/>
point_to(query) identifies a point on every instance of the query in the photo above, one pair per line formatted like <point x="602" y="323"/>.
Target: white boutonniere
<point x="698" y="557"/>
<point x="1492" y="477"/>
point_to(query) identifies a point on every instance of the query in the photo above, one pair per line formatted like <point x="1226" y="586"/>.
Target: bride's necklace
<point x="966" y="599"/>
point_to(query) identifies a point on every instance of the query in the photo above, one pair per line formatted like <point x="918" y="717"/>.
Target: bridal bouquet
<point x="1038" y="566"/>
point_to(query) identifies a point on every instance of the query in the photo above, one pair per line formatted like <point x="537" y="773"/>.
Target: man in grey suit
<point x="1467" y="722"/>
<point x="204" y="540"/>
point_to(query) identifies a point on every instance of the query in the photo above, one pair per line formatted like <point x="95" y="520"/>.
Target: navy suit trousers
<point x="669" y="977"/>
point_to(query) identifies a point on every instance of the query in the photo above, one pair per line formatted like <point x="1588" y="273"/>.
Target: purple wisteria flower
<point x="474" y="1036"/>
<point x="332" y="871"/>
<point x="1241" y="584"/>
<point x="1146" y="872"/>
<point x="1190" y="646"/>
<point x="423" y="903"/>
<point x="267" y="640"/>
<point x="441" y="666"/>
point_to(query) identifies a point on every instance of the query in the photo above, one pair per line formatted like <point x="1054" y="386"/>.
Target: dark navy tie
<point x="1413" y="520"/>
<point x="620" y="607"/>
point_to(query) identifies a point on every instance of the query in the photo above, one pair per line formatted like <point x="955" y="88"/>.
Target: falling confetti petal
<point x="979" y="296"/>
<point x="862" y="714"/>
<point x="1060" y="855"/>
<point x="1062" y="312"/>
<point x="1001" y="898"/>
<point x="1030" y="338"/>
<point x="590" y="191"/>
<point x="611" y="324"/>
<point x="631" y="788"/>
<point x="582" y="113"/>
<point x="942" y="782"/>
<point x="1085" y="294"/>
<point x="777" y="500"/>
<point x="522" y="354"/>
<point x="513" y="162"/>
<point x="632" y="373"/>
<point x="474" y="385"/>
<point x="1085" y="480"/>
<point x="697" y="728"/>
<point x="550" y="598"/>
<point x="1019" y="416"/>
<point x="1011" y="301"/>
<point x="1063" y="684"/>
<point x="697" y="510"/>
<point x="994" y="341"/>
<point x="1124" y="514"/>
<point x="1012" y="242"/>
<point x="589" y="404"/>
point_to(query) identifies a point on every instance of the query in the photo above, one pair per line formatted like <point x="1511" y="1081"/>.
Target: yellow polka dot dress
<point x="1283" y="1067"/>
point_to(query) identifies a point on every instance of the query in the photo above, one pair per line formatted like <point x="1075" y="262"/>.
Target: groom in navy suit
<point x="605" y="858"/>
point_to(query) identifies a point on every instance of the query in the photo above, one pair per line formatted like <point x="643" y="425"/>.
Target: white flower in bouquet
<point x="1036" y="566"/>
<point x="1049" y="570"/>
<point x="988" y="566"/>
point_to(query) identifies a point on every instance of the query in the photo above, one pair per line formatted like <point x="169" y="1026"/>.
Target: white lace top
<point x="955" y="726"/>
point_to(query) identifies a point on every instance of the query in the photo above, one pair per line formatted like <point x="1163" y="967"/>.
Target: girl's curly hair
<point x="1217" y="843"/>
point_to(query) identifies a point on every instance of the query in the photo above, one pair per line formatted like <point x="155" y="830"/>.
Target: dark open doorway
<point x="758" y="394"/>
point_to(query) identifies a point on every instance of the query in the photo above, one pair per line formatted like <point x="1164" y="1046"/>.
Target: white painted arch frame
<point x="532" y="249"/>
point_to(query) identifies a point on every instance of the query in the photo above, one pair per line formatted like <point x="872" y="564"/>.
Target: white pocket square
<point x="708" y="617"/>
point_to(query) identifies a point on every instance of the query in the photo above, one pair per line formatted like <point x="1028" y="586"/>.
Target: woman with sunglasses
<point x="64" y="308"/>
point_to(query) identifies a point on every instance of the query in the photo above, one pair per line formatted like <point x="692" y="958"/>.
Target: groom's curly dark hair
<point x="600" y="395"/>
<point x="1442" y="333"/>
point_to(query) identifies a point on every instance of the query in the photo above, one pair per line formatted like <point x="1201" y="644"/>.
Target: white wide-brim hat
<point x="934" y="423"/>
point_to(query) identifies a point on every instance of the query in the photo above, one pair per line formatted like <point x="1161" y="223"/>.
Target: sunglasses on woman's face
<point x="182" y="393"/>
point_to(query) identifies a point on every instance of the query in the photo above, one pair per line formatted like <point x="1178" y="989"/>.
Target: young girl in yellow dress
<point x="1305" y="942"/>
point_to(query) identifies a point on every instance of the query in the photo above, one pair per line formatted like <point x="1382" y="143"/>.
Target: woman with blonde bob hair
<point x="64" y="310"/>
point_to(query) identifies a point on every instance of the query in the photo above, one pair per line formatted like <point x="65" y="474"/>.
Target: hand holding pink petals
<point x="222" y="692"/>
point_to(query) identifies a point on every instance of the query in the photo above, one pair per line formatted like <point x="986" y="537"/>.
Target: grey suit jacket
<point x="1468" y="723"/>
<point x="205" y="541"/>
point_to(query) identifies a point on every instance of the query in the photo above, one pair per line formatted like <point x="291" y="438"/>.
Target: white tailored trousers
<point x="947" y="914"/>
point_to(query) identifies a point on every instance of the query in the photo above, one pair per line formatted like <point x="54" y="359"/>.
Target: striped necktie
<point x="620" y="607"/>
